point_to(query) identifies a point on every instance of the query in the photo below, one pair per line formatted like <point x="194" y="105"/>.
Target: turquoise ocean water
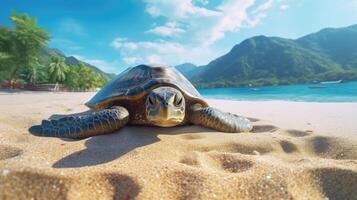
<point x="341" y="92"/>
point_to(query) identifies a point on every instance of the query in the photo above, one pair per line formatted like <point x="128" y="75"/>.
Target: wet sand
<point x="297" y="150"/>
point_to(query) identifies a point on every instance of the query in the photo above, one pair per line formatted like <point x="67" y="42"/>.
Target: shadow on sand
<point x="105" y="148"/>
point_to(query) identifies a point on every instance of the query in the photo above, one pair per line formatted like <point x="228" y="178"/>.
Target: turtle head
<point x="165" y="107"/>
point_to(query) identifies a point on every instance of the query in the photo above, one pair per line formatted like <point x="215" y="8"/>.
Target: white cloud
<point x="154" y="59"/>
<point x="256" y="20"/>
<point x="205" y="30"/>
<point x="234" y="14"/>
<point x="204" y="2"/>
<point x="284" y="7"/>
<point x="122" y="43"/>
<point x="159" y="46"/>
<point x="160" y="51"/>
<point x="109" y="67"/>
<point x="72" y="26"/>
<point x="169" y="29"/>
<point x="146" y="51"/>
<point x="131" y="60"/>
<point x="265" y="6"/>
<point x="196" y="29"/>
<point x="175" y="9"/>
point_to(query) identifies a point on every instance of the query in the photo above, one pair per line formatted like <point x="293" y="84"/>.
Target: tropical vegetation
<point x="26" y="57"/>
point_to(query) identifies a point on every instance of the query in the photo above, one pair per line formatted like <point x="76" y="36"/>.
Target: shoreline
<point x="19" y="91"/>
<point x="325" y="117"/>
<point x="288" y="101"/>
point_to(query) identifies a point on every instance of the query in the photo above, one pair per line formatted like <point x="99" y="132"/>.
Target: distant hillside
<point x="187" y="69"/>
<point x="340" y="44"/>
<point x="47" y="53"/>
<point x="326" y="55"/>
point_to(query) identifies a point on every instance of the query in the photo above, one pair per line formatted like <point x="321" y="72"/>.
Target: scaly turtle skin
<point x="143" y="95"/>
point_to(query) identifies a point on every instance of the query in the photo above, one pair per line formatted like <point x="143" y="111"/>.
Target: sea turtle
<point x="143" y="95"/>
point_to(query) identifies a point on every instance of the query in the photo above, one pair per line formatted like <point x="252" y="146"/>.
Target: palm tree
<point x="6" y="49"/>
<point x="4" y="57"/>
<point x="5" y="44"/>
<point x="34" y="73"/>
<point x="28" y="40"/>
<point x="58" y="69"/>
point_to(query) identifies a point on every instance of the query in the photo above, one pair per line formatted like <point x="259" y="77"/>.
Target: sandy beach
<point x="297" y="150"/>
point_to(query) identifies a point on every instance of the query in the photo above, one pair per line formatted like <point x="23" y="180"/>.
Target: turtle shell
<point x="134" y="83"/>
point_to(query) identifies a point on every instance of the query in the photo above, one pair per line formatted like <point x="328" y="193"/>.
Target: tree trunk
<point x="13" y="77"/>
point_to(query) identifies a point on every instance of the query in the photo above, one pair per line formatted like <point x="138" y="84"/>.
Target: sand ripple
<point x="7" y="152"/>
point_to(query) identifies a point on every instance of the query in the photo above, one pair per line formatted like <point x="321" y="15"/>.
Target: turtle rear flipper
<point x="222" y="121"/>
<point x="78" y="127"/>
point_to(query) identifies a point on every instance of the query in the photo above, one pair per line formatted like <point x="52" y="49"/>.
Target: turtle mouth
<point x="166" y="122"/>
<point x="165" y="117"/>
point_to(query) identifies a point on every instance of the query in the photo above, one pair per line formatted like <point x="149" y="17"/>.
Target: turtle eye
<point x="178" y="100"/>
<point x="152" y="100"/>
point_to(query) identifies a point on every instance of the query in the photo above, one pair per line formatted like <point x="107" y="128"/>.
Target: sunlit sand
<point x="296" y="150"/>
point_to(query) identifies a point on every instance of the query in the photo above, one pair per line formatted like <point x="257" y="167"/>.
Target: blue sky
<point x="116" y="34"/>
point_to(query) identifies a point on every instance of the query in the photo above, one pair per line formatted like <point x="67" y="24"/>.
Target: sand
<point x="297" y="150"/>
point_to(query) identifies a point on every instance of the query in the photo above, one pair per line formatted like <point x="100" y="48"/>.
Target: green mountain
<point x="340" y="44"/>
<point x="326" y="55"/>
<point x="187" y="69"/>
<point x="47" y="53"/>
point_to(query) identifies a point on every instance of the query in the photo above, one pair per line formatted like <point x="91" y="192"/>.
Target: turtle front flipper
<point x="82" y="126"/>
<point x="218" y="120"/>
